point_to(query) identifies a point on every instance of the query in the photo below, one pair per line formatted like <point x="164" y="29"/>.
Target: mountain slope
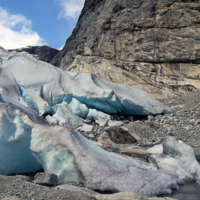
<point x="43" y="53"/>
<point x="153" y="45"/>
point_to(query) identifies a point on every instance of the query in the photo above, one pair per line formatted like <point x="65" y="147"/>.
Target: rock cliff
<point x="43" y="53"/>
<point x="153" y="45"/>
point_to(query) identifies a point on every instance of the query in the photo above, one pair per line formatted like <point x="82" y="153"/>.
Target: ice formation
<point x="41" y="86"/>
<point x="65" y="116"/>
<point x="72" y="157"/>
<point x="177" y="157"/>
<point x="30" y="89"/>
<point x="15" y="136"/>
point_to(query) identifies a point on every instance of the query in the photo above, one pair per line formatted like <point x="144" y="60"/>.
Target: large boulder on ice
<point x="72" y="157"/>
<point x="40" y="86"/>
<point x="177" y="157"/>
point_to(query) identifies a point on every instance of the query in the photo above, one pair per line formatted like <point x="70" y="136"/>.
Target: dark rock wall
<point x="162" y="34"/>
<point x="43" y="53"/>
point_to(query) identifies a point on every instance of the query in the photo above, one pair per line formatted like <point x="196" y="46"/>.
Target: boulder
<point x="45" y="179"/>
<point x="118" y="136"/>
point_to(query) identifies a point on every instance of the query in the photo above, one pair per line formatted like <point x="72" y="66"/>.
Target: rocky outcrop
<point x="153" y="45"/>
<point x="43" y="53"/>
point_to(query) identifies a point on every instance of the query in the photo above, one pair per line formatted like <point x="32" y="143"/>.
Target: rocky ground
<point x="131" y="139"/>
<point x="22" y="187"/>
<point x="183" y="123"/>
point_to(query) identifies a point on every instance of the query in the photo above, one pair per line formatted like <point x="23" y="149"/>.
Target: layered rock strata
<point x="153" y="45"/>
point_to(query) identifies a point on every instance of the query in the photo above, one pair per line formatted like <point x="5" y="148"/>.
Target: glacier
<point x="15" y="136"/>
<point x="177" y="157"/>
<point x="72" y="157"/>
<point x="28" y="142"/>
<point x="41" y="86"/>
<point x="40" y="104"/>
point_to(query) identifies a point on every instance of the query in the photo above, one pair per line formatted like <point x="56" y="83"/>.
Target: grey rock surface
<point x="45" y="179"/>
<point x="12" y="188"/>
<point x="43" y="53"/>
<point x="149" y="44"/>
<point x="119" y="136"/>
<point x="75" y="189"/>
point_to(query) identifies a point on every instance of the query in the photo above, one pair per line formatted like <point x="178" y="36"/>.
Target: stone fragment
<point x="130" y="127"/>
<point x="105" y="139"/>
<point x="117" y="135"/>
<point x="45" y="179"/>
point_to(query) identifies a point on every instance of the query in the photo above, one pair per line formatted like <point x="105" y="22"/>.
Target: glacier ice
<point x="82" y="111"/>
<point x="114" y="123"/>
<point x="72" y="157"/>
<point x="65" y="116"/>
<point x="177" y="157"/>
<point x="30" y="89"/>
<point x="41" y="86"/>
<point x="51" y="120"/>
<point x="15" y="136"/>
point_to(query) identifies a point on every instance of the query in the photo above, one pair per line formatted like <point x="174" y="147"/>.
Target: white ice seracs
<point x="177" y="157"/>
<point x="40" y="86"/>
<point x="82" y="111"/>
<point x="65" y="116"/>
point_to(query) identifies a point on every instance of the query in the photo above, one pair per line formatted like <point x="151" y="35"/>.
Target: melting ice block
<point x="72" y="157"/>
<point x="177" y="157"/>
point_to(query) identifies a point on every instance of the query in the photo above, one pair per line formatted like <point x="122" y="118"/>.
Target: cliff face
<point x="153" y="45"/>
<point x="43" y="53"/>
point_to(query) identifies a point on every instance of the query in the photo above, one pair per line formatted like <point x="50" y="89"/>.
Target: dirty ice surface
<point x="42" y="87"/>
